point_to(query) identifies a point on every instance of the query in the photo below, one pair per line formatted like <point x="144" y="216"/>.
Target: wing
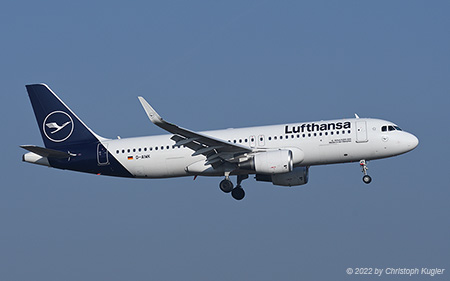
<point x="216" y="150"/>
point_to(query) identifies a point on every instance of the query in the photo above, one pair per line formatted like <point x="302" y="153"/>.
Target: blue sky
<point x="209" y="65"/>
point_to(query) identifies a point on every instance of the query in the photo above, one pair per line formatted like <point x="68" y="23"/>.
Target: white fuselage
<point x="322" y="142"/>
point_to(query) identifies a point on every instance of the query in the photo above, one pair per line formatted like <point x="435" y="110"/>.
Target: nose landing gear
<point x="366" y="178"/>
<point x="238" y="192"/>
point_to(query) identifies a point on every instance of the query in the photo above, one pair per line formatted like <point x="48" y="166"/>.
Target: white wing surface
<point x="216" y="150"/>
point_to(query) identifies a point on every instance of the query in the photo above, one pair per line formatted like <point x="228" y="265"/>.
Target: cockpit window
<point x="390" y="128"/>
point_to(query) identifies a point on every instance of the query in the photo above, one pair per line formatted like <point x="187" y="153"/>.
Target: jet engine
<point x="270" y="162"/>
<point x="298" y="176"/>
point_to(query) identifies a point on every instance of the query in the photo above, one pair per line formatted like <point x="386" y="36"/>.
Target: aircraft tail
<point x="60" y="127"/>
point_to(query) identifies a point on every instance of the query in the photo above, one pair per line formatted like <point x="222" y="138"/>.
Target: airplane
<point x="280" y="154"/>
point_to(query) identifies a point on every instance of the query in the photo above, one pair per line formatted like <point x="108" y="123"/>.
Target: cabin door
<point x="361" y="131"/>
<point x="102" y="154"/>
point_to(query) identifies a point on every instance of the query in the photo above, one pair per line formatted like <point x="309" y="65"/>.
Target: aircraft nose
<point x="411" y="141"/>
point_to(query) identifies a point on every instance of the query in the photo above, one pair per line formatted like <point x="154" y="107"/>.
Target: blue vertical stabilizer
<point x="59" y="126"/>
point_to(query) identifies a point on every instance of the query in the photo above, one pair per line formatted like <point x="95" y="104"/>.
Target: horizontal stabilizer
<point x="47" y="152"/>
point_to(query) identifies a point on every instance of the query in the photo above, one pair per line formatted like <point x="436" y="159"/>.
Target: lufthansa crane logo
<point x="58" y="126"/>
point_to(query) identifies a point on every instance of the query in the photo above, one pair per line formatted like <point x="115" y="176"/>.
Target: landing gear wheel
<point x="238" y="193"/>
<point x="226" y="186"/>
<point x="367" y="179"/>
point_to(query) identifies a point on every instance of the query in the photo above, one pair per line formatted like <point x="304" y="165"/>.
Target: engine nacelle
<point x="298" y="176"/>
<point x="270" y="162"/>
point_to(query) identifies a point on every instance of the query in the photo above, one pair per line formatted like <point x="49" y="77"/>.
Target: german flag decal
<point x="130" y="157"/>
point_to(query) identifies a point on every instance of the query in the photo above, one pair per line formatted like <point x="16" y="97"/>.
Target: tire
<point x="226" y="186"/>
<point x="367" y="179"/>
<point x="238" y="193"/>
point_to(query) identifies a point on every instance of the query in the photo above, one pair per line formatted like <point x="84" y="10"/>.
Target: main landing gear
<point x="366" y="178"/>
<point x="237" y="192"/>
